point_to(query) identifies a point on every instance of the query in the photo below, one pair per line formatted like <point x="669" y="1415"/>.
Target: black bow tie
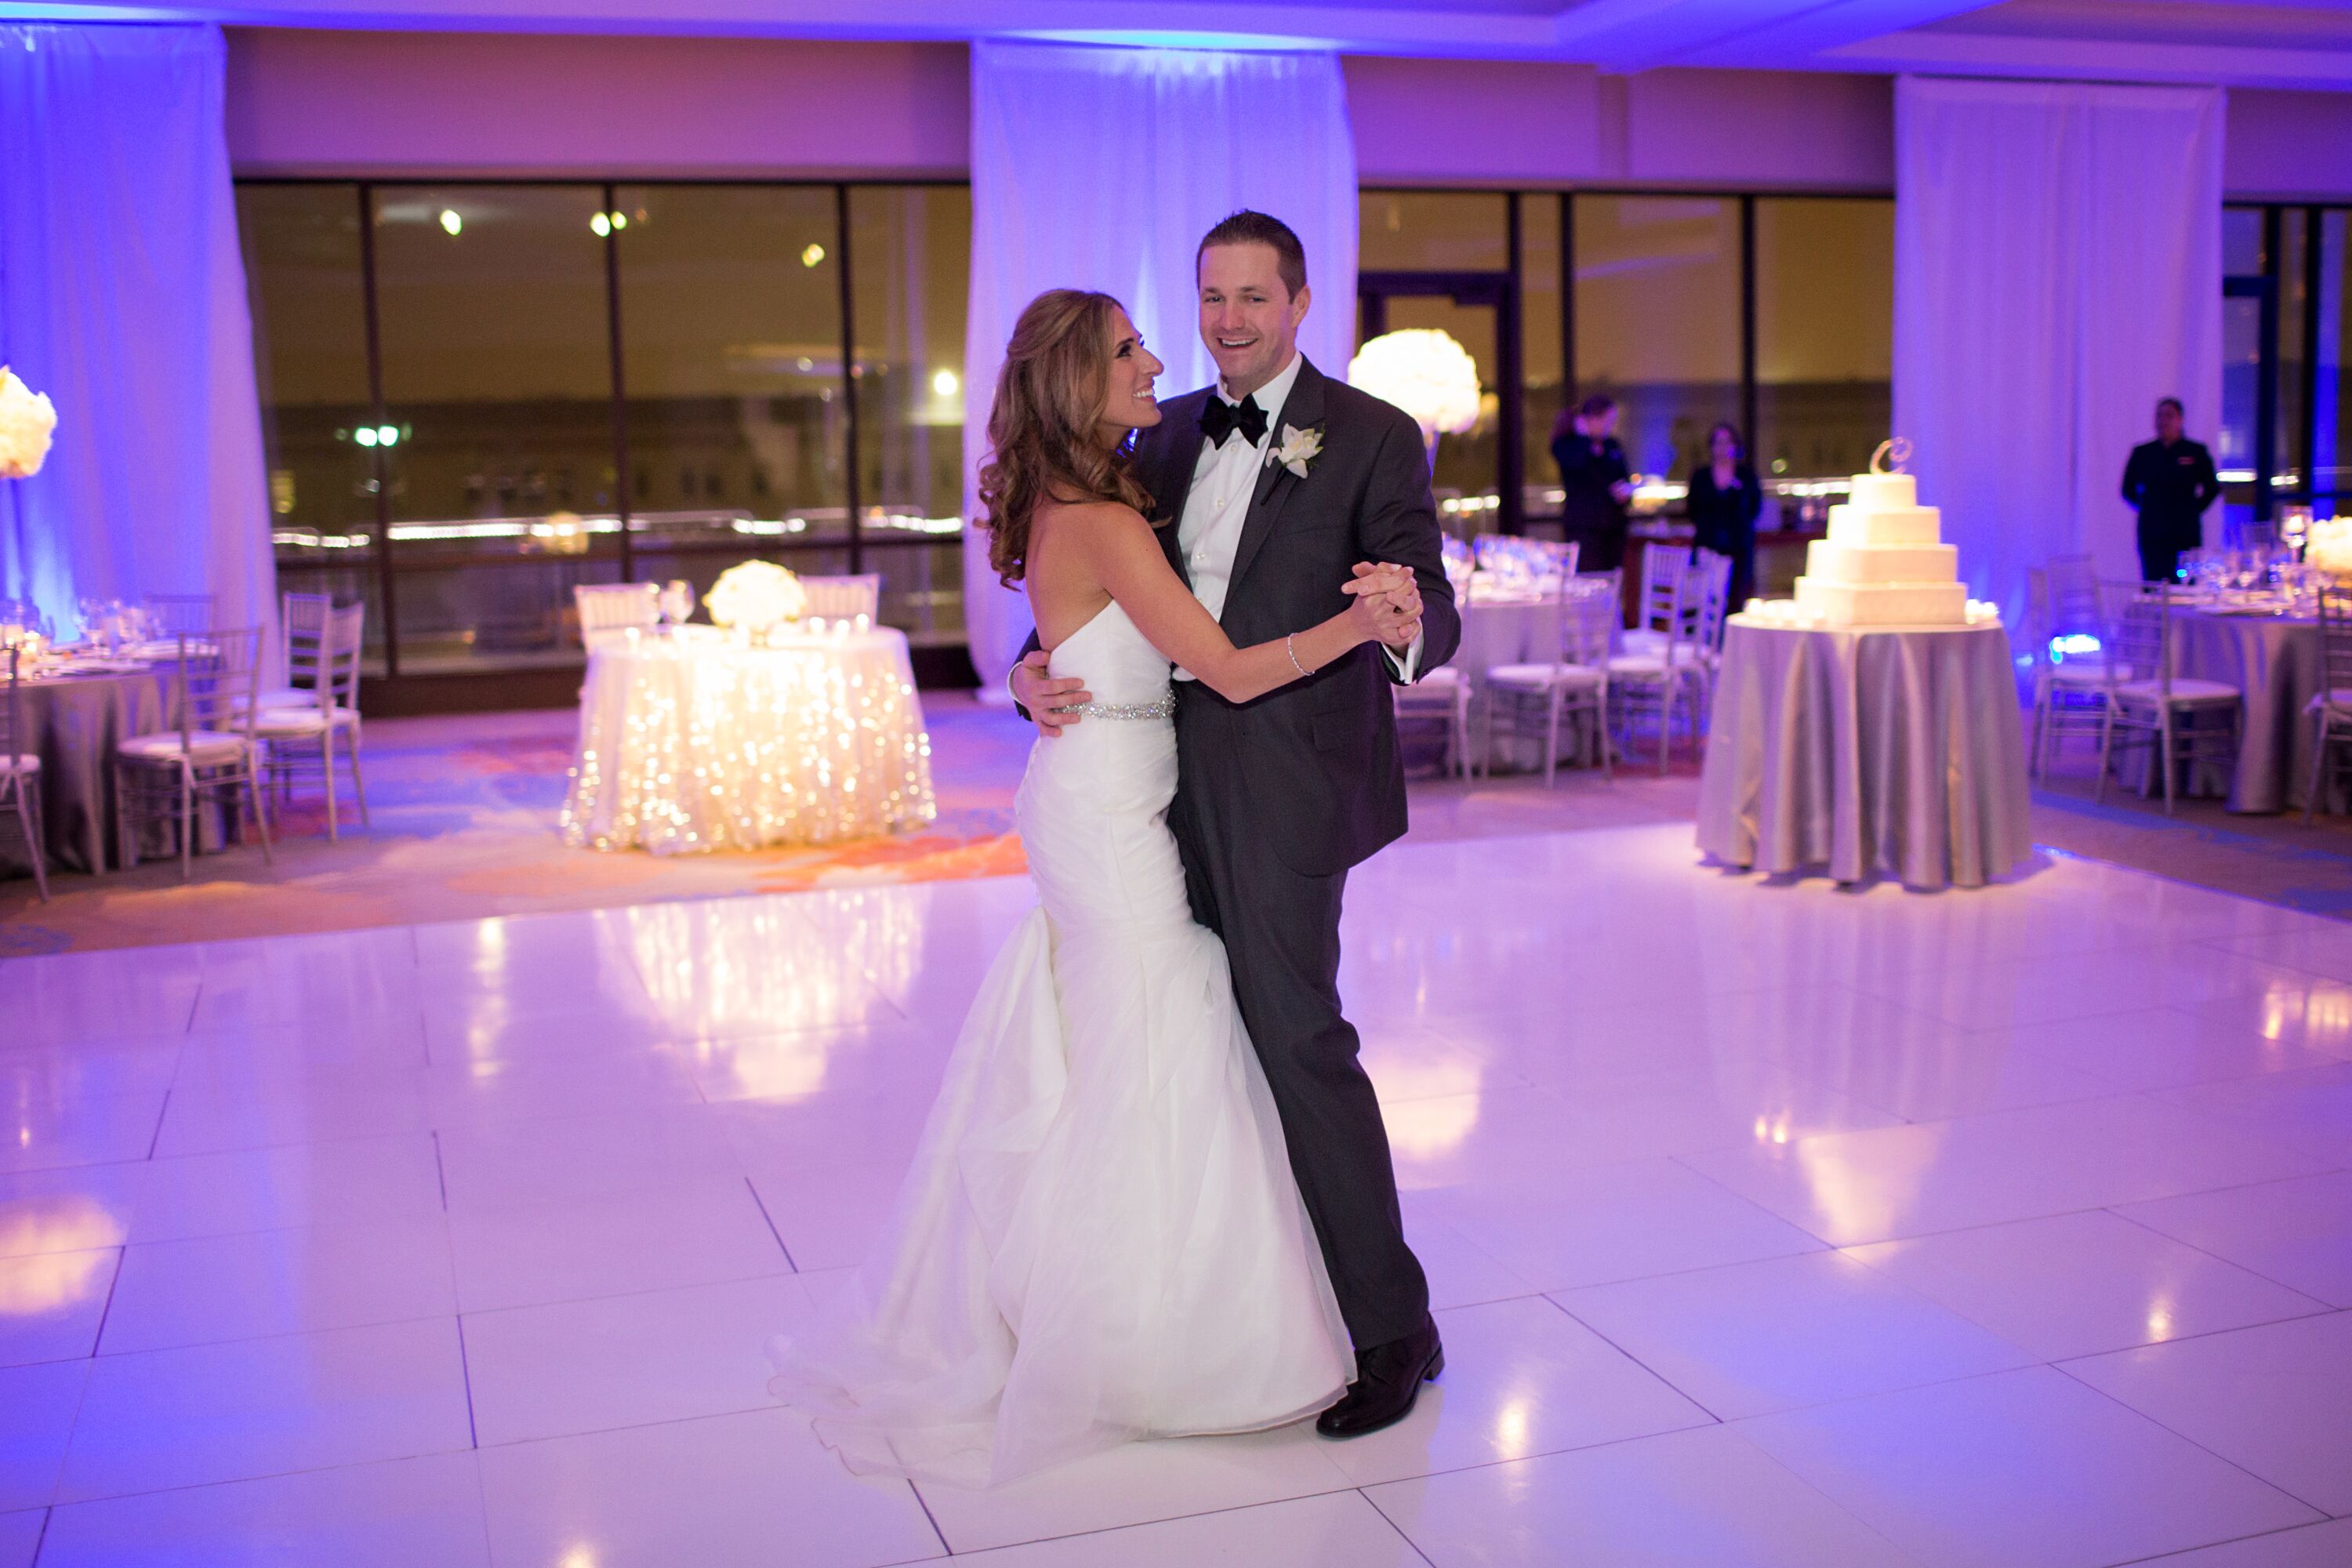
<point x="1220" y="419"/>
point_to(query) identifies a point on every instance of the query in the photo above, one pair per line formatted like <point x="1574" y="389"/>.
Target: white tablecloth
<point x="702" y="743"/>
<point x="1862" y="753"/>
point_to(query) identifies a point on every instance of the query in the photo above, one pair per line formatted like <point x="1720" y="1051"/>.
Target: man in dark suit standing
<point x="2170" y="481"/>
<point x="1596" y="482"/>
<point x="1269" y="490"/>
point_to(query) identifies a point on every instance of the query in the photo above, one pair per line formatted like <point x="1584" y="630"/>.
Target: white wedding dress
<point x="1100" y="1238"/>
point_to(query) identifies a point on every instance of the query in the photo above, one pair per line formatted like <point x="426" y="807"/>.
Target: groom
<point x="1275" y="799"/>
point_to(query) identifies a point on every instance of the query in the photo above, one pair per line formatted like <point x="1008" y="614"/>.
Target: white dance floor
<point x="1768" y="1225"/>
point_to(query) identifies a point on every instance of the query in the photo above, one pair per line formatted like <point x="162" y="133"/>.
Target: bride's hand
<point x="1386" y="599"/>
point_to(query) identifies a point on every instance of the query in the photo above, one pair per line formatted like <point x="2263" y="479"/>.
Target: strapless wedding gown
<point x="1100" y="1238"/>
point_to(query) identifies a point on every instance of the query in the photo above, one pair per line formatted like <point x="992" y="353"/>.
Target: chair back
<point x="325" y="657"/>
<point x="1707" y="601"/>
<point x="616" y="606"/>
<point x="1589" y="618"/>
<point x="844" y="598"/>
<point x="2336" y="643"/>
<point x="216" y="682"/>
<point x="2074" y="587"/>
<point x="2038" y="626"/>
<point x="2137" y="634"/>
<point x="182" y="615"/>
<point x="1659" y="609"/>
<point x="300" y="616"/>
<point x="13" y="733"/>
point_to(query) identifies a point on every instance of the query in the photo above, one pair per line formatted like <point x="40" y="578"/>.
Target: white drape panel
<point x="122" y="296"/>
<point x="1100" y="168"/>
<point x="2057" y="270"/>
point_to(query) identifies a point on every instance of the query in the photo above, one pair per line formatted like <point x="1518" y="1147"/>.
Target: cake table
<point x="1865" y="751"/>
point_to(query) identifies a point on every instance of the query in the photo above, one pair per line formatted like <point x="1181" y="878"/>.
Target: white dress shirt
<point x="1224" y="478"/>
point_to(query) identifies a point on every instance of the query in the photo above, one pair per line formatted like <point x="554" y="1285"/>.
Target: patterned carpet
<point x="465" y="809"/>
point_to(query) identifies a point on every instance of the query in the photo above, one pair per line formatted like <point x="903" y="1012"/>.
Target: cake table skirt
<point x="1867" y="753"/>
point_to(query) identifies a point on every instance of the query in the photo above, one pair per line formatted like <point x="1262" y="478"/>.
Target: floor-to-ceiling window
<point x="2282" y="433"/>
<point x="1772" y="314"/>
<point x="478" y="395"/>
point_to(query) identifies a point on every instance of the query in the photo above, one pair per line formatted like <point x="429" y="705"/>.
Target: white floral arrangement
<point x="1426" y="373"/>
<point x="2329" y="547"/>
<point x="27" y="419"/>
<point x="755" y="596"/>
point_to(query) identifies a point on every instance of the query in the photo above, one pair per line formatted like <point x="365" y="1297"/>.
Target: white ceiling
<point x="2239" y="42"/>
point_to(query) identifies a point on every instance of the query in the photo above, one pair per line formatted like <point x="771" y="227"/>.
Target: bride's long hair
<point x="1044" y="426"/>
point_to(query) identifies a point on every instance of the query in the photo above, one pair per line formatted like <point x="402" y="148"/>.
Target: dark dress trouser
<point x="1281" y="931"/>
<point x="2160" y="554"/>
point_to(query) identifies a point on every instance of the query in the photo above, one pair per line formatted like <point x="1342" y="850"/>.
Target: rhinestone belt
<point x="1160" y="707"/>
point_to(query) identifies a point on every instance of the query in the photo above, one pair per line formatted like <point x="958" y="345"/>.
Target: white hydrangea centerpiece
<point x="27" y="419"/>
<point x="756" y="597"/>
<point x="1424" y="372"/>
<point x="2329" y="547"/>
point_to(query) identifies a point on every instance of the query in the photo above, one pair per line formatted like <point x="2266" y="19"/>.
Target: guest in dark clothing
<point x="2172" y="482"/>
<point x="1724" y="503"/>
<point x="1592" y="470"/>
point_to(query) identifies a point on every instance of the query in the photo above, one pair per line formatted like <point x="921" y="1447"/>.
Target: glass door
<point x="1478" y="475"/>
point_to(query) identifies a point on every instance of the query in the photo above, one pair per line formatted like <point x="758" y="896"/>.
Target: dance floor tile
<point x="2080" y="1284"/>
<point x="20" y="1536"/>
<point x="360" y="1103"/>
<point x="210" y="1288"/>
<point x="1694" y="1500"/>
<point x="1788" y="1332"/>
<point x="2321" y="949"/>
<point x="1137" y="1484"/>
<point x="541" y="1165"/>
<point x="2159" y="1047"/>
<point x="697" y="1233"/>
<point x="400" y="1514"/>
<point x="2310" y="1109"/>
<point x="2276" y="1399"/>
<point x="1460" y="1273"/>
<point x="1854" y="1187"/>
<point x="1604" y="1223"/>
<point x="2325" y="1545"/>
<point x="216" y="1194"/>
<point x="624" y="1361"/>
<point x="63" y="1073"/>
<point x="2298" y="1233"/>
<point x="853" y="1059"/>
<point x="54" y="1005"/>
<point x="54" y="1134"/>
<point x="325" y="981"/>
<point x="828" y="1218"/>
<point x="2083" y="986"/>
<point x="37" y="1405"/>
<point x="821" y="1132"/>
<point x="51" y="1302"/>
<point x="2318" y="1018"/>
<point x="726" y="1491"/>
<point x="268" y="1055"/>
<point x="1522" y="1377"/>
<point x="1336" y="1529"/>
<point x="261" y="1408"/>
<point x="2017" y="1467"/>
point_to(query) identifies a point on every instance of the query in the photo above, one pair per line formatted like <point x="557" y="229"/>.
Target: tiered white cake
<point x="1884" y="563"/>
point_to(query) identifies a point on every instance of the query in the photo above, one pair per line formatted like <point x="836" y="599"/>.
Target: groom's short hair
<point x="1247" y="228"/>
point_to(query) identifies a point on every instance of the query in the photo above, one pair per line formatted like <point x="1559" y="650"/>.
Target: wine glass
<point x="677" y="601"/>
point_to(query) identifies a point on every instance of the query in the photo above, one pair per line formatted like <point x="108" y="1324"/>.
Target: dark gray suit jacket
<point x="1318" y="757"/>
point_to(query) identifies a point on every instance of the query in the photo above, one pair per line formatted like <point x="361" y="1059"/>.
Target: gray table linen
<point x="1893" y="753"/>
<point x="75" y="725"/>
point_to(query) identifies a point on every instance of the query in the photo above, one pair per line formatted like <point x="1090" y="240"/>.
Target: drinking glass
<point x="677" y="601"/>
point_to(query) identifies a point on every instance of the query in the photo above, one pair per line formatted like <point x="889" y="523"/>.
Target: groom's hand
<point x="1045" y="696"/>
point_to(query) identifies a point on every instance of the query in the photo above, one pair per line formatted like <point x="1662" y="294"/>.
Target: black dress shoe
<point x="1387" y="1380"/>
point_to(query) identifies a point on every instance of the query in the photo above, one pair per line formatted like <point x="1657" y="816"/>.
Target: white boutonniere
<point x="1297" y="450"/>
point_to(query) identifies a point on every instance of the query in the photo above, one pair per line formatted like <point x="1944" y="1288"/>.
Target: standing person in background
<point x="1593" y="472"/>
<point x="1724" y="503"/>
<point x="2170" y="482"/>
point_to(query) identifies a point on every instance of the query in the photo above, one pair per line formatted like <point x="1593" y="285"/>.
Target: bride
<point x="1100" y="1238"/>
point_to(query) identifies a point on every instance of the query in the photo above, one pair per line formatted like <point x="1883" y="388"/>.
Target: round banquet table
<point x="75" y="722"/>
<point x="700" y="742"/>
<point x="1894" y="750"/>
<point x="2277" y="662"/>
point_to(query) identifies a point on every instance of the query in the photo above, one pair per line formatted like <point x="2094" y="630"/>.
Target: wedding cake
<point x="1884" y="562"/>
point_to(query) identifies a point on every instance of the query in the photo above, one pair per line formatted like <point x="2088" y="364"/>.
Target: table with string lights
<point x="705" y="741"/>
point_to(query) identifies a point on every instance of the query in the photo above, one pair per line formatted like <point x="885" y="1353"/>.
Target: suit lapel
<point x="1175" y="454"/>
<point x="1302" y="412"/>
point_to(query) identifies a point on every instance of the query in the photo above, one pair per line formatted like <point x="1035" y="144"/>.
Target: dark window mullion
<point x="378" y="464"/>
<point x="620" y="389"/>
<point x="2307" y="404"/>
<point x="1747" y="404"/>
<point x="849" y="381"/>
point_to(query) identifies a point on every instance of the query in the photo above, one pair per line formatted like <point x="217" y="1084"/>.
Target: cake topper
<point x="1891" y="456"/>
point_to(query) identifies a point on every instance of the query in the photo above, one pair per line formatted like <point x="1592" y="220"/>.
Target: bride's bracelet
<point x="1293" y="652"/>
